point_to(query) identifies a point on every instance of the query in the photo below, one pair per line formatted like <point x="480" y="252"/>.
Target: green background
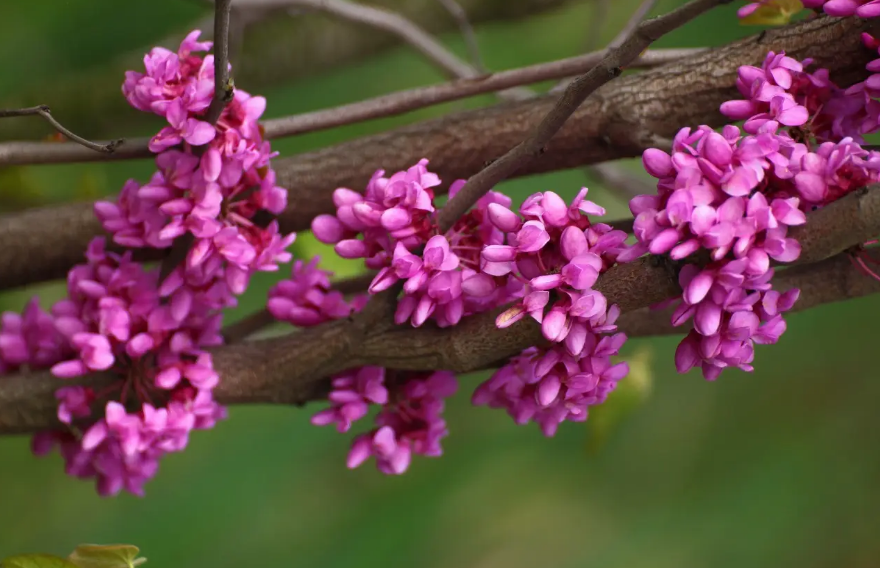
<point x="775" y="468"/>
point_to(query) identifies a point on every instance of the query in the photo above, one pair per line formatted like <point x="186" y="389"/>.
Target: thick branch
<point x="293" y="369"/>
<point x="609" y="68"/>
<point x="618" y="121"/>
<point x="832" y="280"/>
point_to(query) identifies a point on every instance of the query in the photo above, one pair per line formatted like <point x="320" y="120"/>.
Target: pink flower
<point x="306" y="299"/>
<point x="191" y="130"/>
<point x="413" y="425"/>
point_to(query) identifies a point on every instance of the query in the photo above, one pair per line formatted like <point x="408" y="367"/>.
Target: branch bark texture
<point x="293" y="369"/>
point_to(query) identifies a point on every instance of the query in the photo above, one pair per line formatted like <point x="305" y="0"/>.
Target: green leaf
<point x="106" y="556"/>
<point x="629" y="395"/>
<point x="35" y="561"/>
<point x="773" y="13"/>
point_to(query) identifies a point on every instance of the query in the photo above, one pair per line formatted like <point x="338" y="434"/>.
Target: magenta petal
<point x="663" y="242"/>
<point x="657" y="163"/>
<point x="698" y="288"/>
<point x="199" y="132"/>
<point x="548" y="390"/>
<point x="707" y="319"/>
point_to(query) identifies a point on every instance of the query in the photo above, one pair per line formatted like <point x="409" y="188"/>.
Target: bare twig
<point x="397" y="24"/>
<point x="224" y="90"/>
<point x="467" y="32"/>
<point x="597" y="21"/>
<point x="293" y="369"/>
<point x="391" y="22"/>
<point x="43" y="110"/>
<point x="620" y="181"/>
<point x="629" y="27"/>
<point x="414" y="99"/>
<point x="23" y="153"/>
<point x="634" y="20"/>
<point x="610" y="67"/>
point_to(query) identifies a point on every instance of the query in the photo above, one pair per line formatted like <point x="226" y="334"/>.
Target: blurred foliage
<point x="774" y="468"/>
<point x="85" y="556"/>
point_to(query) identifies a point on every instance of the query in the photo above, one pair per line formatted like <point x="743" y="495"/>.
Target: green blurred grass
<point x="774" y="468"/>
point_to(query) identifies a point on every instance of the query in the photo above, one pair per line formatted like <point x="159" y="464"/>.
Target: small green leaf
<point x="773" y="13"/>
<point x="106" y="556"/>
<point x="35" y="561"/>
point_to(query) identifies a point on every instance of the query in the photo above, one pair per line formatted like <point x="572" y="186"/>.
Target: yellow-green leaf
<point x="630" y="394"/>
<point x="106" y="556"/>
<point x="773" y="13"/>
<point x="36" y="561"/>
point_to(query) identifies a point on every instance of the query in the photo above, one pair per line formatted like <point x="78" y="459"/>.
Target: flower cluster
<point x="412" y="424"/>
<point x="410" y="420"/>
<point x="113" y="320"/>
<point x="399" y="236"/>
<point x="211" y="182"/>
<point x="735" y="196"/>
<point x="845" y="8"/>
<point x="809" y="103"/>
<point x="557" y="254"/>
<point x="30" y="341"/>
<point x="306" y="298"/>
<point x="210" y="188"/>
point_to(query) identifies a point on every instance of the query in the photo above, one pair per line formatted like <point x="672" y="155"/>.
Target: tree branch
<point x="832" y="280"/>
<point x="634" y="20"/>
<point x="467" y="32"/>
<point x="23" y="153"/>
<point x="43" y="110"/>
<point x="293" y="369"/>
<point x="619" y="121"/>
<point x="224" y="90"/>
<point x="609" y="68"/>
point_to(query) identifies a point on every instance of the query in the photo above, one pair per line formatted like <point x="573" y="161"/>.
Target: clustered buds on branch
<point x="725" y="203"/>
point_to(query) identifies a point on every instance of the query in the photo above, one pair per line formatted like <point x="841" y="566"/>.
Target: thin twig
<point x="609" y="68"/>
<point x="224" y="90"/>
<point x="23" y="153"/>
<point x="43" y="110"/>
<point x="414" y="99"/>
<point x="467" y="32"/>
<point x="634" y="20"/>
<point x="392" y="22"/>
<point x="597" y="22"/>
